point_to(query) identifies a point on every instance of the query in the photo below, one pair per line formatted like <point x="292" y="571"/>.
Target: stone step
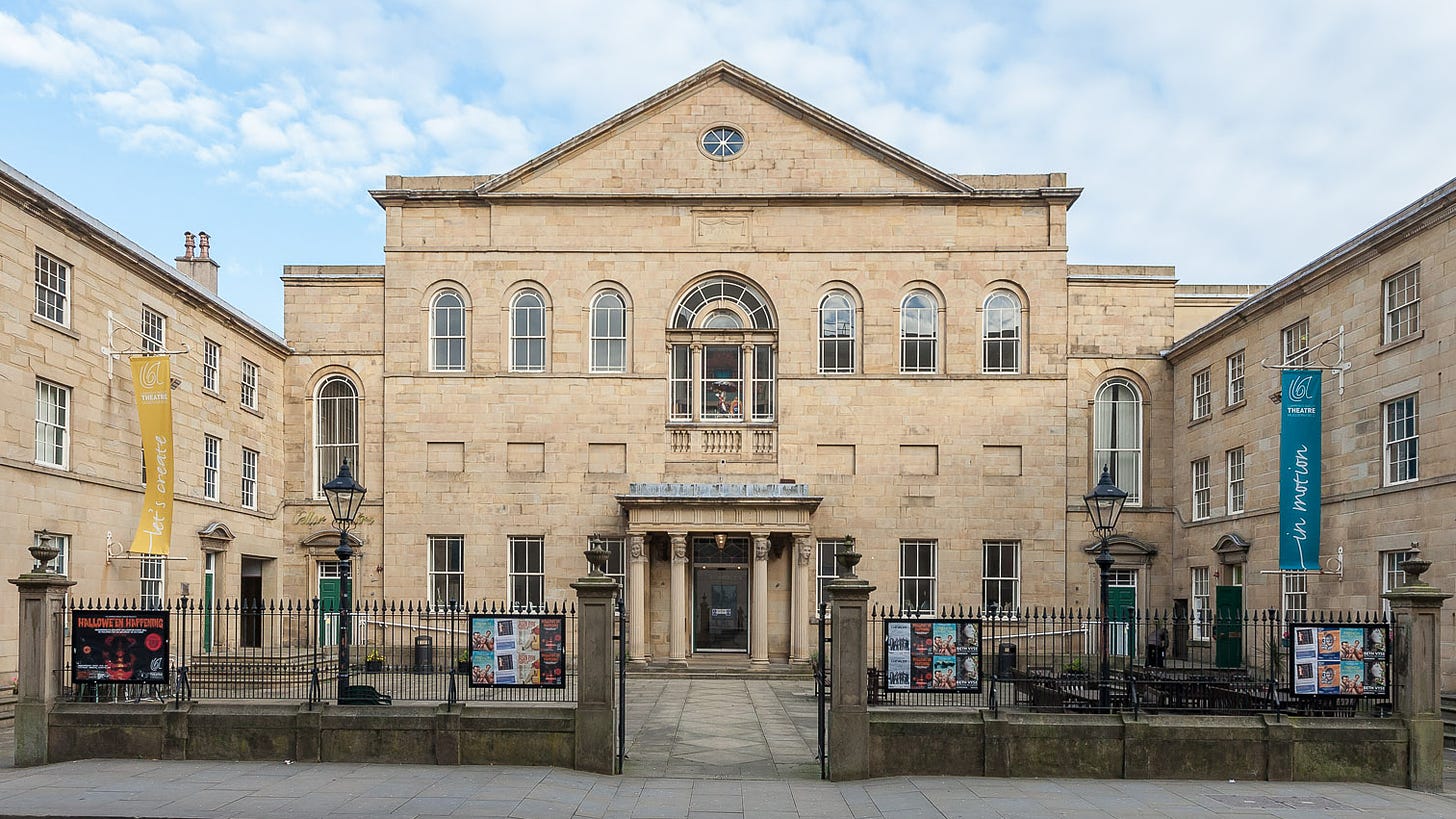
<point x="1448" y="717"/>
<point x="734" y="669"/>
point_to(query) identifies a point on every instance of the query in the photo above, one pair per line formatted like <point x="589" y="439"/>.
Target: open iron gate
<point x="821" y="690"/>
<point x="621" y="637"/>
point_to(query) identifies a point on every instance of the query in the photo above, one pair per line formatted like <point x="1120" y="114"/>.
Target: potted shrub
<point x="374" y="661"/>
<point x="462" y="661"/>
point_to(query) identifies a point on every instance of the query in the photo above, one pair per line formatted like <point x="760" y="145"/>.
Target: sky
<point x="1234" y="140"/>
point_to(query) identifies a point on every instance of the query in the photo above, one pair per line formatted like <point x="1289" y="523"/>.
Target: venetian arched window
<point x="1117" y="436"/>
<point x="336" y="430"/>
<point x="1001" y="333"/>
<point x="722" y="343"/>
<point x="919" y="333"/>
<point x="447" y="332"/>
<point x="528" y="332"/>
<point x="836" y="333"/>
<point x="608" y="333"/>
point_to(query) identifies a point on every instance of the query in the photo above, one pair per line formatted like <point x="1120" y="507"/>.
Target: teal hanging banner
<point x="1299" y="470"/>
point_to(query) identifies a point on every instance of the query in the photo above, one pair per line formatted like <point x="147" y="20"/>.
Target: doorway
<point x="250" y="592"/>
<point x="330" y="598"/>
<point x="720" y="594"/>
<point x="720" y="612"/>
<point x="1122" y="610"/>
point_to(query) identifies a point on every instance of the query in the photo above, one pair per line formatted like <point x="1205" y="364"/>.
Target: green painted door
<point x="1228" y="626"/>
<point x="1121" y="619"/>
<point x="208" y="576"/>
<point x="328" y="594"/>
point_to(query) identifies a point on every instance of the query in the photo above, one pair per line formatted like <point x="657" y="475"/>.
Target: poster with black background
<point x="116" y="647"/>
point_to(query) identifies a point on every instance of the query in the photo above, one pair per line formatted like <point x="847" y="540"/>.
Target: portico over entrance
<point x="719" y="568"/>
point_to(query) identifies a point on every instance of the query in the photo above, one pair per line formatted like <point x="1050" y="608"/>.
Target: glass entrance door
<point x="720" y="608"/>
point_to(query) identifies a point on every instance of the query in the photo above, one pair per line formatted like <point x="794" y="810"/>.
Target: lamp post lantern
<point x="1104" y="505"/>
<point x="345" y="496"/>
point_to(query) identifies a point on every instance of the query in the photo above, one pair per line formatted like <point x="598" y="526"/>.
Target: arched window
<point x="1117" y="436"/>
<point x="528" y="333"/>
<point x="919" y="327"/>
<point x="722" y="354"/>
<point x="336" y="433"/>
<point x="447" y="332"/>
<point x="1001" y="333"/>
<point x="608" y="333"/>
<point x="836" y="333"/>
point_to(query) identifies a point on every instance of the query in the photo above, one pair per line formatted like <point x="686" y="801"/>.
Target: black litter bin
<point x="1006" y="660"/>
<point x="424" y="654"/>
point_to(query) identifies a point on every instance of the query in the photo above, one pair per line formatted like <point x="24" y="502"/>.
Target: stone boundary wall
<point x="469" y="734"/>
<point x="927" y="741"/>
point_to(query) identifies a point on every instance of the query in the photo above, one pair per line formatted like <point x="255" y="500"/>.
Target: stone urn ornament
<point x="44" y="551"/>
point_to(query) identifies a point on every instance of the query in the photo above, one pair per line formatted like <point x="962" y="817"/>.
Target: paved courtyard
<point x="716" y="728"/>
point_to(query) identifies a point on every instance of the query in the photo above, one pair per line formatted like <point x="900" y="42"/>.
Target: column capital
<point x="760" y="546"/>
<point x="637" y="547"/>
<point x="679" y="547"/>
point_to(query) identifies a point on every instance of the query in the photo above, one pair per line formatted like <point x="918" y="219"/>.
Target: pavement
<point x="695" y="748"/>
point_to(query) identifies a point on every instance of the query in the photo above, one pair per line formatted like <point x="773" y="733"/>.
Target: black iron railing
<point x="1044" y="659"/>
<point x="288" y="650"/>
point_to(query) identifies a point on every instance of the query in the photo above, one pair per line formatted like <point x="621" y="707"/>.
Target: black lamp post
<point x="1104" y="504"/>
<point x="345" y="497"/>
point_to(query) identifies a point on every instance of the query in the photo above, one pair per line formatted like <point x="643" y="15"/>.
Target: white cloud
<point x="155" y="139"/>
<point x="40" y="48"/>
<point x="123" y="40"/>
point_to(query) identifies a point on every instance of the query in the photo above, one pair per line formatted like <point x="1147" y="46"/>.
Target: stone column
<point x="637" y="599"/>
<point x="677" y="624"/>
<point x="1415" y="608"/>
<point x="596" y="719"/>
<point x="801" y="610"/>
<point x="42" y="601"/>
<point x="849" y="723"/>
<point x="758" y="625"/>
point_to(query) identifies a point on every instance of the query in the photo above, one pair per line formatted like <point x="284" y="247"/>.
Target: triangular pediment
<point x="790" y="147"/>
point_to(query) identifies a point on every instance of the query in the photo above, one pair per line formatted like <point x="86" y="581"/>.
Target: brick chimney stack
<point x="196" y="261"/>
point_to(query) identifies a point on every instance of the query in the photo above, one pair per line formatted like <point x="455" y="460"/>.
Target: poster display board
<point x="1340" y="660"/>
<point x="113" y="646"/>
<point x="518" y="651"/>
<point x="933" y="655"/>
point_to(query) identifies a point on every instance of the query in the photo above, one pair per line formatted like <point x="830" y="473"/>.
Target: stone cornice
<point x="1057" y="196"/>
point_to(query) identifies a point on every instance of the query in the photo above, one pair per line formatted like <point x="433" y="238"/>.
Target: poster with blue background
<point x="1299" y="470"/>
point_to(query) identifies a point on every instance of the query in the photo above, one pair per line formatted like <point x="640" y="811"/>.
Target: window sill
<point x="1234" y="406"/>
<point x="51" y="325"/>
<point x="1197" y="421"/>
<point x="213" y="394"/>
<point x="1395" y="345"/>
<point x="251" y="410"/>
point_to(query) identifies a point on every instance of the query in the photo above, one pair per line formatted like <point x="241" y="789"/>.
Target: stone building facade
<point x="722" y="331"/>
<point x="77" y="298"/>
<point x="1382" y="304"/>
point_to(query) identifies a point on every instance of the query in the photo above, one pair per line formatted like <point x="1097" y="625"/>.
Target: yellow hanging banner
<point x="151" y="378"/>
